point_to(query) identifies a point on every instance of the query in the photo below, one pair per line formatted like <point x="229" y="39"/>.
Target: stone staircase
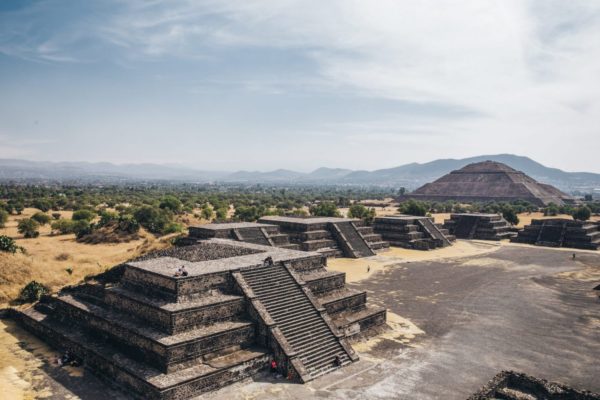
<point x="301" y="323"/>
<point x="434" y="231"/>
<point x="352" y="242"/>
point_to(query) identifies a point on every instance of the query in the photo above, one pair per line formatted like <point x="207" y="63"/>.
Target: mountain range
<point x="409" y="176"/>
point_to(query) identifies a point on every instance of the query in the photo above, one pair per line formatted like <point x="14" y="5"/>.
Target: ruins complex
<point x="191" y="319"/>
<point x="486" y="182"/>
<point x="411" y="232"/>
<point x="561" y="232"/>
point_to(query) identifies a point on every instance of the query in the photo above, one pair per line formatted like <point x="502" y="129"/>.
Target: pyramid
<point x="489" y="181"/>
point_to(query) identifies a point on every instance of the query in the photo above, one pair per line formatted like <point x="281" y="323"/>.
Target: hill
<point x="410" y="175"/>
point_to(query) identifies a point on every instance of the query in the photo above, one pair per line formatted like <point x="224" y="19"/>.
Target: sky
<point x="260" y="85"/>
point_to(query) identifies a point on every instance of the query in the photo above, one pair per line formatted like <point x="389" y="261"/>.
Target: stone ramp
<point x="351" y="241"/>
<point x="434" y="231"/>
<point x="303" y="326"/>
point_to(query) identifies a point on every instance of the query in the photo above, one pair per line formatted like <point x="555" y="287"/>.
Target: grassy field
<point x="48" y="257"/>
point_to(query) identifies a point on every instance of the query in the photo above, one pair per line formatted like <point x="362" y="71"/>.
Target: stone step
<point x="301" y="340"/>
<point x="277" y="295"/>
<point x="299" y="320"/>
<point x="296" y="317"/>
<point x="341" y="300"/>
<point x="172" y="317"/>
<point x="299" y="327"/>
<point x="163" y="351"/>
<point x="280" y="310"/>
<point x="353" y="322"/>
<point x="137" y="378"/>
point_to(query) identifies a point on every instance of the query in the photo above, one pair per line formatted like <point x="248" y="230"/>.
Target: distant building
<point x="489" y="181"/>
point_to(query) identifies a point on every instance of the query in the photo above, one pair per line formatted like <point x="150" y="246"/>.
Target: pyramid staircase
<point x="351" y="240"/>
<point x="306" y="328"/>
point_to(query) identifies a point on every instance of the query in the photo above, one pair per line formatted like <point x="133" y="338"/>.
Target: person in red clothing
<point x="273" y="366"/>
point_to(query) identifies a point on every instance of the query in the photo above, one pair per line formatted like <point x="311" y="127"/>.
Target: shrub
<point x="81" y="228"/>
<point x="127" y="223"/>
<point x="207" y="212"/>
<point x="41" y="218"/>
<point x="9" y="245"/>
<point x="56" y="215"/>
<point x="551" y="210"/>
<point x="106" y="217"/>
<point x="582" y="213"/>
<point x="28" y="228"/>
<point x="3" y="218"/>
<point x="33" y="291"/>
<point x="413" y="207"/>
<point x="510" y="215"/>
<point x="325" y="209"/>
<point x="69" y="270"/>
<point x="153" y="219"/>
<point x="64" y="226"/>
<point x="362" y="212"/>
<point x="221" y="214"/>
<point x="83" y="215"/>
<point x="171" y="203"/>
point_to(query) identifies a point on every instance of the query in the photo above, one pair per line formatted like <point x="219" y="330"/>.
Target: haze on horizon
<point x="259" y="85"/>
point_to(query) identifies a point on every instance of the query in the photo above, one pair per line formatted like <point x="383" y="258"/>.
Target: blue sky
<point x="299" y="85"/>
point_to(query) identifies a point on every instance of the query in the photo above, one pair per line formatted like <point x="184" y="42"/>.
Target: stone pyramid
<point x="489" y="181"/>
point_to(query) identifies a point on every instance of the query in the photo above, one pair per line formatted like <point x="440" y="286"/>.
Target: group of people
<point x="181" y="271"/>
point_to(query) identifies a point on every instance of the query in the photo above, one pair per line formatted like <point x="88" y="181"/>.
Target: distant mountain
<point x="22" y="170"/>
<point x="410" y="175"/>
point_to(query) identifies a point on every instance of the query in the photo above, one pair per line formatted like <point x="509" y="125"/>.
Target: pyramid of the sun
<point x="489" y="181"/>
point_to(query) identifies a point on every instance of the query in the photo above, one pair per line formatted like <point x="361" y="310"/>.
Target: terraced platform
<point x="161" y="335"/>
<point x="250" y="232"/>
<point x="412" y="232"/>
<point x="479" y="226"/>
<point x="332" y="237"/>
<point x="560" y="232"/>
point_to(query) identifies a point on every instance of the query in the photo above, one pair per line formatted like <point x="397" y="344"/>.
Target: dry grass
<point x="48" y="257"/>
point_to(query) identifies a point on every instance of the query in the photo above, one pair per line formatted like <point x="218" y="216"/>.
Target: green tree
<point x="41" y="218"/>
<point x="64" y="226"/>
<point x="171" y="203"/>
<point x="582" y="213"/>
<point x="8" y="244"/>
<point x="325" y="209"/>
<point x="3" y="218"/>
<point x="412" y="207"/>
<point x="28" y="228"/>
<point x="362" y="212"/>
<point x="510" y="215"/>
<point x="153" y="219"/>
<point x="221" y="214"/>
<point x="127" y="223"/>
<point x="33" y="291"/>
<point x="207" y="212"/>
<point x="42" y="204"/>
<point x="83" y="215"/>
<point x="551" y="210"/>
<point x="81" y="227"/>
